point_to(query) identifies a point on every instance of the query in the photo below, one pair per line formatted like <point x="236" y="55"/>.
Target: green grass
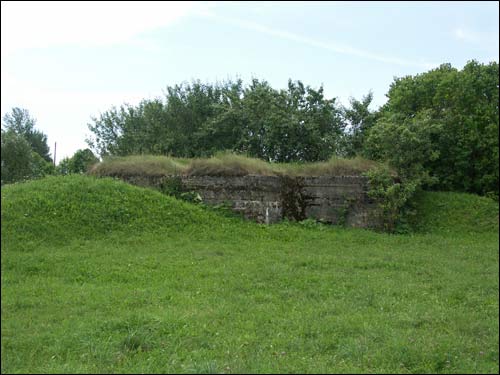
<point x="455" y="213"/>
<point x="148" y="165"/>
<point x="226" y="164"/>
<point x="102" y="277"/>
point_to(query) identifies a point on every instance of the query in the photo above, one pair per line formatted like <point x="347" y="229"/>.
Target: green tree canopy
<point x="464" y="105"/>
<point x="297" y="124"/>
<point x="359" y="120"/>
<point x="80" y="162"/>
<point x="20" y="122"/>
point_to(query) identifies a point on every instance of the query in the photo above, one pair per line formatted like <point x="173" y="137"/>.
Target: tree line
<point x="197" y="120"/>
<point x="439" y="128"/>
<point x="25" y="153"/>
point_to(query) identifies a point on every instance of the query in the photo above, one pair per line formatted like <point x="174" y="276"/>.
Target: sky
<point x="67" y="62"/>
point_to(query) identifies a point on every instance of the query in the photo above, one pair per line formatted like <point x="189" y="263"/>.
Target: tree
<point x="297" y="124"/>
<point x="20" y="122"/>
<point x="80" y="162"/>
<point x="224" y="129"/>
<point x="175" y="127"/>
<point x="408" y="144"/>
<point x="465" y="104"/>
<point x="260" y="109"/>
<point x="40" y="167"/>
<point x="16" y="158"/>
<point x="63" y="166"/>
<point x="359" y="120"/>
<point x="313" y="127"/>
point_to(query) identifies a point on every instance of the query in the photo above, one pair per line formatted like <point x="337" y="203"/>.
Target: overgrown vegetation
<point x="140" y="165"/>
<point x="226" y="164"/>
<point x="393" y="198"/>
<point x="439" y="128"/>
<point x="99" y="276"/>
<point x="172" y="185"/>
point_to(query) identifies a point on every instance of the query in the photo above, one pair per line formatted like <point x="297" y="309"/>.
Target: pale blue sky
<point x="66" y="62"/>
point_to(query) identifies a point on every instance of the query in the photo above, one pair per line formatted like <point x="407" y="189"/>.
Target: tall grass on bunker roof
<point x="227" y="164"/>
<point x="142" y="165"/>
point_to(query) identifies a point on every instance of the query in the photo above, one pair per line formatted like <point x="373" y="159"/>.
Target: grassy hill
<point x="455" y="214"/>
<point x="99" y="276"/>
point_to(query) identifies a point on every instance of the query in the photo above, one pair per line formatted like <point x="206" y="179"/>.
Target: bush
<point x="394" y="199"/>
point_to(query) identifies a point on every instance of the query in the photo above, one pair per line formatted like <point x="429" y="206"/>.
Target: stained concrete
<point x="269" y="199"/>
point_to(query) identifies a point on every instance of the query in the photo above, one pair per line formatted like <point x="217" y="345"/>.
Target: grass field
<point x="102" y="277"/>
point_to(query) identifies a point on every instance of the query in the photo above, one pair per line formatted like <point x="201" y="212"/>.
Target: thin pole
<point x="55" y="149"/>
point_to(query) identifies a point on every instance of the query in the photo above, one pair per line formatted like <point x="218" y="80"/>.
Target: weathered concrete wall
<point x="340" y="200"/>
<point x="256" y="197"/>
<point x="269" y="199"/>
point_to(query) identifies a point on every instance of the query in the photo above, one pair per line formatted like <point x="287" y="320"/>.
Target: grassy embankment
<point x="99" y="276"/>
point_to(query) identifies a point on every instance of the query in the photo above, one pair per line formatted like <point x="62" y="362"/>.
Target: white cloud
<point x="331" y="46"/>
<point x="45" y="24"/>
<point x="485" y="40"/>
<point x="466" y="35"/>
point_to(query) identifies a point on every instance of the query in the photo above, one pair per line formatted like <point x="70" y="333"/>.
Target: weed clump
<point x="135" y="342"/>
